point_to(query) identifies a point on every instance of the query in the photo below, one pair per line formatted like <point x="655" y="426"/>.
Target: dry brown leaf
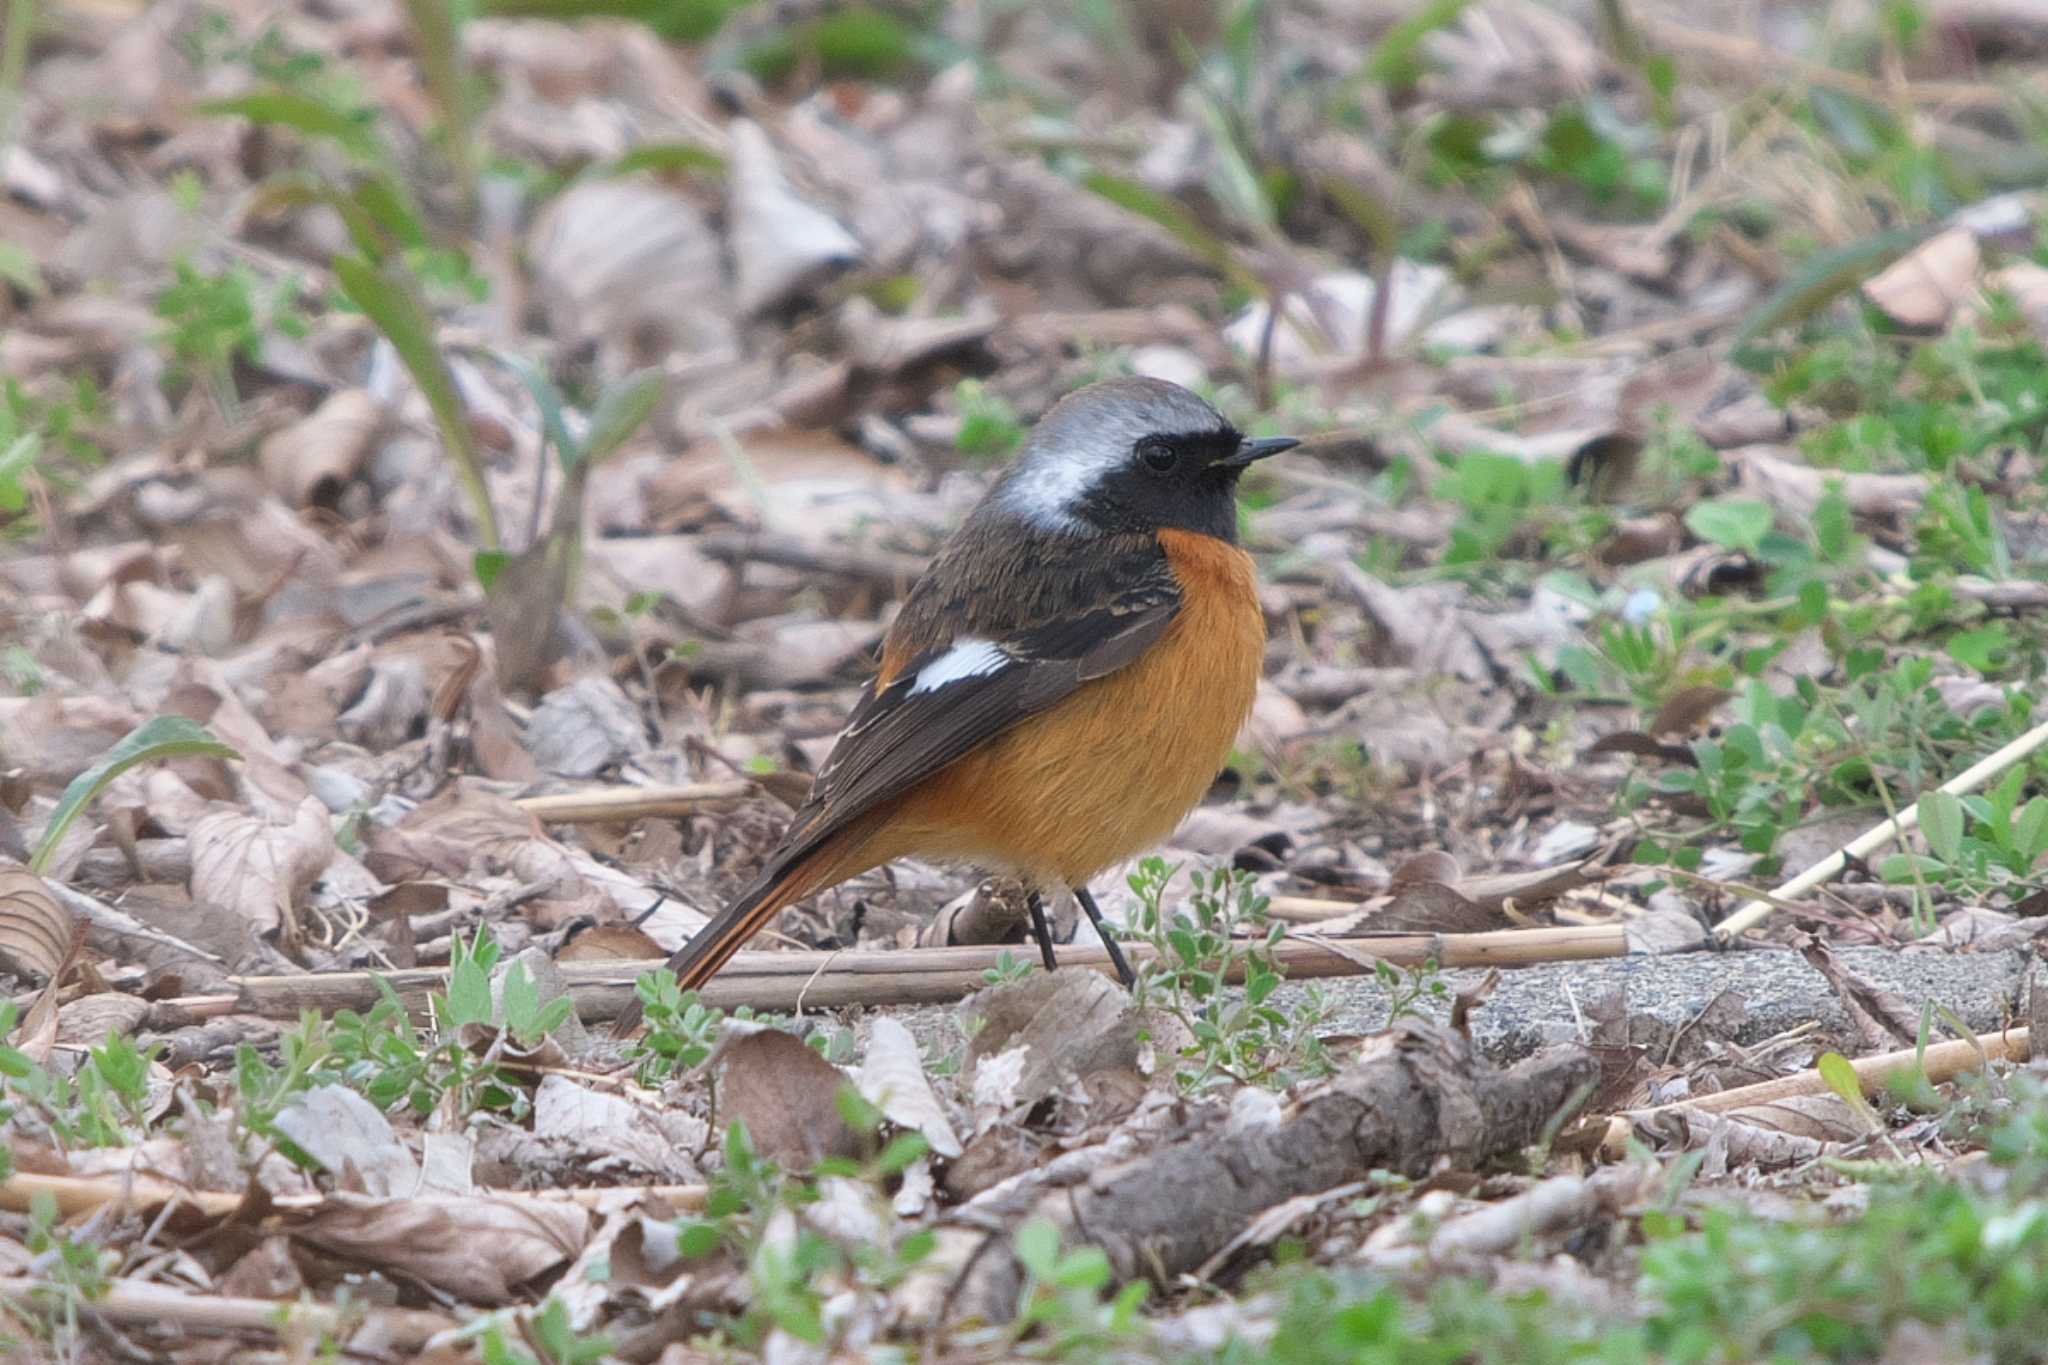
<point x="461" y="833"/>
<point x="892" y="1078"/>
<point x="1432" y="908"/>
<point x="1686" y="709"/>
<point x="310" y="461"/>
<point x="2026" y="284"/>
<point x="260" y="869"/>
<point x="631" y="266"/>
<point x="787" y="1095"/>
<point x="352" y="1140"/>
<point x="1036" y="1034"/>
<point x="1432" y="865"/>
<point x="1921" y="290"/>
<point x="1794" y="489"/>
<point x="1874" y="1011"/>
<point x="611" y="943"/>
<point x="782" y="245"/>
<point x="35" y="931"/>
<point x="92" y="1019"/>
<point x="478" y="1249"/>
<point x="586" y="727"/>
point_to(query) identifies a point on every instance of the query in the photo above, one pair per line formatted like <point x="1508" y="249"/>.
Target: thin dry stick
<point x="632" y="803"/>
<point x="781" y="981"/>
<point x="1941" y="1062"/>
<point x="139" y="1301"/>
<point x="76" y="1194"/>
<point x="1881" y="834"/>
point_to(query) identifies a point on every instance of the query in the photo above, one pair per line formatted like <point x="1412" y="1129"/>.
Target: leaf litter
<point x="374" y="463"/>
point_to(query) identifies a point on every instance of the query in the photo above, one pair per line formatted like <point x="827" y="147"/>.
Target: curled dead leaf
<point x="310" y="461"/>
<point x="1036" y="1034"/>
<point x="35" y="931"/>
<point x="260" y="869"/>
<point x="893" y="1080"/>
<point x="477" y="1249"/>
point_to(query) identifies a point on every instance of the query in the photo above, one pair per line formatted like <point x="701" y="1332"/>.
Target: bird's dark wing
<point x="975" y="651"/>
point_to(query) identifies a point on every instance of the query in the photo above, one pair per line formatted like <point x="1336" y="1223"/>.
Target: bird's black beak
<point x="1251" y="450"/>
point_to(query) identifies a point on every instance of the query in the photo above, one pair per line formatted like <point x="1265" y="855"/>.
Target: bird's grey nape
<point x="1087" y="436"/>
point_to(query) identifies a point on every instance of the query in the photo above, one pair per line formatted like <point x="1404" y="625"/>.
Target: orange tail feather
<point x="711" y="947"/>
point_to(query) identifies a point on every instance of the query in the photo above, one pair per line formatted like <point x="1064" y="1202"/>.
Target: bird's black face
<point x="1182" y="481"/>
<point x="1130" y="456"/>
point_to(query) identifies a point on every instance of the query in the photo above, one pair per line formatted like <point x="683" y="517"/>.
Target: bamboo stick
<point x="1971" y="778"/>
<point x="606" y="804"/>
<point x="147" y="1304"/>
<point x="78" y="1194"/>
<point x="1942" y="1061"/>
<point x="787" y="981"/>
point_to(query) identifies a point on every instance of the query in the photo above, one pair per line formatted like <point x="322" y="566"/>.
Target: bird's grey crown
<point x="1088" y="435"/>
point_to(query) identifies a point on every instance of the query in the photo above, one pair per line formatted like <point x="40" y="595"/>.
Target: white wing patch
<point x="970" y="657"/>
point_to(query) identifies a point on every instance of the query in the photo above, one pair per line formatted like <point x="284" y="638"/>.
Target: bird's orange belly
<point x="1112" y="770"/>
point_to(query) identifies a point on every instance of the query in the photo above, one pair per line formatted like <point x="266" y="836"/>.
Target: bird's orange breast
<point x="1110" y="771"/>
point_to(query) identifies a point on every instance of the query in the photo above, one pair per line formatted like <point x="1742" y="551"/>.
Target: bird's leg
<point x="1041" y="930"/>
<point x="1116" y="954"/>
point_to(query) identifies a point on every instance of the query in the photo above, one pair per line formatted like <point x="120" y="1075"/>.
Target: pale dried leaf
<point x="782" y="245"/>
<point x="1065" y="1025"/>
<point x="257" y="868"/>
<point x="352" y="1141"/>
<point x="1922" y="289"/>
<point x="310" y="461"/>
<point x="476" y="1248"/>
<point x="584" y="728"/>
<point x="892" y="1078"/>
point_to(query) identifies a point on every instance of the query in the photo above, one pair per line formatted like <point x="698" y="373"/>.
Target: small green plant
<point x="681" y="1029"/>
<point x="46" y="435"/>
<point x="158" y="738"/>
<point x="73" y="1272"/>
<point x="1242" y="1037"/>
<point x="1408" y="987"/>
<point x="1977" y="845"/>
<point x="1061" y="1311"/>
<point x="1009" y="969"/>
<point x="213" y="321"/>
<point x="753" y="1206"/>
<point x="105" y="1103"/>
<point x="1499" y="497"/>
<point x="393" y="1061"/>
<point x="990" y="429"/>
<point x="543" y="1337"/>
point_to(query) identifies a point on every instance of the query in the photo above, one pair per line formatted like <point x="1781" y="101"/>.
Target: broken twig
<point x="785" y="981"/>
<point x="1876" y="837"/>
<point x="1941" y="1062"/>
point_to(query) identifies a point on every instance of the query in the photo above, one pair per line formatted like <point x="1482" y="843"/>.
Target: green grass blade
<point x="1149" y="204"/>
<point x="157" y="738"/>
<point x="1396" y="60"/>
<point x="437" y="41"/>
<point x="309" y="117"/>
<point x="621" y="409"/>
<point x="1816" y="284"/>
<point x="387" y="299"/>
<point x="661" y="156"/>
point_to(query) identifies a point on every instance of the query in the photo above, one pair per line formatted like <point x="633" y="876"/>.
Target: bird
<point x="1063" y="683"/>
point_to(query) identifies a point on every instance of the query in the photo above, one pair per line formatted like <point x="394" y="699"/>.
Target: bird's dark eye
<point x="1159" y="456"/>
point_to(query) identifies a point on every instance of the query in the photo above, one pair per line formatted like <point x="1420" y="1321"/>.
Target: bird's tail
<point x="711" y="947"/>
<point x="784" y="882"/>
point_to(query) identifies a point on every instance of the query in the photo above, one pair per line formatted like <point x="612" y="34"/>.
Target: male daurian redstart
<point x="1063" y="683"/>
